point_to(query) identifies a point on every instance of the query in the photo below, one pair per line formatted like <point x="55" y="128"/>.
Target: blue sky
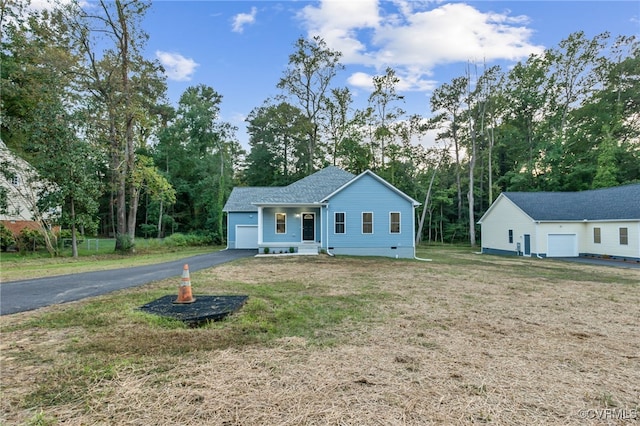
<point x="241" y="48"/>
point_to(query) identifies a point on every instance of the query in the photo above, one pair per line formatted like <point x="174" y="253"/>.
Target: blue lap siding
<point x="238" y="218"/>
<point x="293" y="230"/>
<point x="324" y="193"/>
<point x="368" y="194"/>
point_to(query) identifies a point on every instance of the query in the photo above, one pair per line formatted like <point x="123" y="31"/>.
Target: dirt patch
<point x="490" y="342"/>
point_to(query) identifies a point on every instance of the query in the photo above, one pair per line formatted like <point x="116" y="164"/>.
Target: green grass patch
<point x="69" y="382"/>
<point x="79" y="350"/>
<point x="113" y="325"/>
<point x="16" y="267"/>
<point x="518" y="266"/>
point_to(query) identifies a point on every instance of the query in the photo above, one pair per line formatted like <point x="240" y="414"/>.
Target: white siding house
<point x="19" y="186"/>
<point x="599" y="223"/>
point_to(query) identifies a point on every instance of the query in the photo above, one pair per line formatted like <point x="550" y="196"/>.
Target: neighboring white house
<point x="601" y="223"/>
<point x="19" y="186"/>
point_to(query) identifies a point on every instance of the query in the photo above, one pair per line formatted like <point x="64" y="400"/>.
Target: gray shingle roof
<point x="311" y="189"/>
<point x="618" y="203"/>
<point x="241" y="198"/>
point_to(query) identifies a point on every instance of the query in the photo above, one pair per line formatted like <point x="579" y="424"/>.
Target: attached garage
<point x="246" y="236"/>
<point x="562" y="245"/>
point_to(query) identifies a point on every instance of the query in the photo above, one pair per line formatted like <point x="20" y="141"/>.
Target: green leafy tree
<point x="607" y="165"/>
<point x="278" y="145"/>
<point x="157" y="191"/>
<point x="40" y="90"/>
<point x="521" y="138"/>
<point x="121" y="88"/>
<point x="338" y="123"/>
<point x="198" y="152"/>
<point x="384" y="111"/>
<point x="307" y="82"/>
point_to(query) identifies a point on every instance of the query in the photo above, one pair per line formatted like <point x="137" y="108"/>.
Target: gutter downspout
<point x="227" y="247"/>
<point x="414" y="241"/>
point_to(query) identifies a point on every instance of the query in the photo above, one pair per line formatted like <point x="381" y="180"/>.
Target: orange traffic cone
<point x="184" y="292"/>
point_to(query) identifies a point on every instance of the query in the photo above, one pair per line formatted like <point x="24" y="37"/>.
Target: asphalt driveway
<point x="602" y="262"/>
<point x="27" y="295"/>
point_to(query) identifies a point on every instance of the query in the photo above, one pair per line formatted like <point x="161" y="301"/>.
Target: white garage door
<point x="246" y="236"/>
<point x="562" y="245"/>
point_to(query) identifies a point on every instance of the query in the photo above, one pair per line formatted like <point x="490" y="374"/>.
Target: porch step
<point x="307" y="250"/>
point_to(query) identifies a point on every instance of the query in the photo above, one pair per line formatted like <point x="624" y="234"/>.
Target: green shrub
<point x="187" y="240"/>
<point x="124" y="243"/>
<point x="176" y="240"/>
<point x="148" y="230"/>
<point x="6" y="238"/>
<point x="30" y="240"/>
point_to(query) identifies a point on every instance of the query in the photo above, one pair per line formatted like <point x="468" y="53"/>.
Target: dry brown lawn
<point x="464" y="339"/>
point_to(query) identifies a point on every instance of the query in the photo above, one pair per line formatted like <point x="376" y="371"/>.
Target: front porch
<point x="287" y="229"/>
<point x="273" y="248"/>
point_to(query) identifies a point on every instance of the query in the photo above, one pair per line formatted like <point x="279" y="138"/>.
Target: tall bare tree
<point x="447" y="101"/>
<point x="385" y="112"/>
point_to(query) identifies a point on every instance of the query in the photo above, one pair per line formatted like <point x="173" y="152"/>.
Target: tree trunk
<point x="74" y="233"/>
<point x="491" y="141"/>
<point x="458" y="173"/>
<point x="426" y="203"/>
<point x="470" y="197"/>
<point x="160" y="220"/>
<point x="134" y="199"/>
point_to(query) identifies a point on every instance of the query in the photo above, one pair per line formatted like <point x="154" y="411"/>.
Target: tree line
<point x="83" y="105"/>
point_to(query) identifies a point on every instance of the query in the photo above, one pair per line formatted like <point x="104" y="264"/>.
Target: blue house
<point x="331" y="210"/>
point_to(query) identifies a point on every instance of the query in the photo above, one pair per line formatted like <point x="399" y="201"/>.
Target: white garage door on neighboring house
<point x="246" y="236"/>
<point x="562" y="245"/>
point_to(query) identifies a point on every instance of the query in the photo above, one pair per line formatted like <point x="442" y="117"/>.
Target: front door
<point x="527" y="245"/>
<point x="308" y="227"/>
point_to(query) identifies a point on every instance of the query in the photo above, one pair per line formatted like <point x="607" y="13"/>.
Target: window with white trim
<point x="367" y="222"/>
<point x="624" y="236"/>
<point x="597" y="237"/>
<point x="340" y="222"/>
<point x="394" y="222"/>
<point x="281" y="223"/>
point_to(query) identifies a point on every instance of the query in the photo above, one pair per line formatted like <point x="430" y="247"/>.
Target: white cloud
<point x="414" y="37"/>
<point x="49" y="4"/>
<point x="338" y="23"/>
<point x="176" y="66"/>
<point x="242" y="19"/>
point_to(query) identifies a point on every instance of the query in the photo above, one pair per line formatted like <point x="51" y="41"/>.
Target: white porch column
<point x="259" y="226"/>
<point x="322" y="241"/>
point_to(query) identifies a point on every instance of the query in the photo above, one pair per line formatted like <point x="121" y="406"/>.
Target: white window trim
<point x="620" y="236"/>
<point x="599" y="235"/>
<point x="362" y="223"/>
<point x="399" y="223"/>
<point x="276" y="223"/>
<point x="344" y="223"/>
